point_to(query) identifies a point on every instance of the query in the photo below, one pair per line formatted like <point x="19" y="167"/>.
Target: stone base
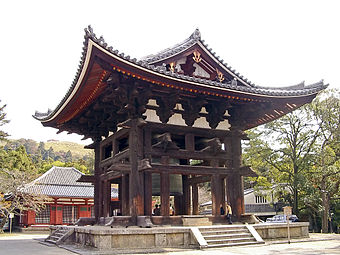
<point x="107" y="238"/>
<point x="280" y="230"/>
<point x="195" y="220"/>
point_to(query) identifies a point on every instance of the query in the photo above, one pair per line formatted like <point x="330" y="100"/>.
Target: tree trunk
<point x="325" y="212"/>
<point x="295" y="202"/>
<point x="295" y="191"/>
<point x="3" y="222"/>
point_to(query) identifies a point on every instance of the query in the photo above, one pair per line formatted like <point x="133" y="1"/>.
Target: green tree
<point x="325" y="172"/>
<point x="3" y="121"/>
<point x="17" y="159"/>
<point x="68" y="156"/>
<point x="285" y="146"/>
<point x="16" y="171"/>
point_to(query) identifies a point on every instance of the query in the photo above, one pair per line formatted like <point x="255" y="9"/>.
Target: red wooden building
<point x="150" y="119"/>
<point x="67" y="199"/>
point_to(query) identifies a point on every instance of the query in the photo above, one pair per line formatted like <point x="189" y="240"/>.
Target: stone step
<point x="231" y="240"/>
<point x="53" y="237"/>
<point x="226" y="228"/>
<point x="231" y="244"/>
<point x="51" y="241"/>
<point x="225" y="236"/>
<point x="218" y="231"/>
<point x="60" y="233"/>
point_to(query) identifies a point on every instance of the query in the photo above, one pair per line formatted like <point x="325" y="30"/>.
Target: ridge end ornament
<point x="172" y="66"/>
<point x="197" y="56"/>
<point x="220" y="76"/>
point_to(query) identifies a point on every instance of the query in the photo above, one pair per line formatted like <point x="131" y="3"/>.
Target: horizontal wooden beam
<point x="175" y="129"/>
<point x="185" y="154"/>
<point x="116" y="158"/>
<point x="200" y="170"/>
<point x="199" y="179"/>
<point x="117" y="135"/>
<point x="117" y="169"/>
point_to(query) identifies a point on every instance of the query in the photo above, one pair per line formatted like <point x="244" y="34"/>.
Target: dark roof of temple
<point x="62" y="182"/>
<point x="195" y="38"/>
<point x="239" y="85"/>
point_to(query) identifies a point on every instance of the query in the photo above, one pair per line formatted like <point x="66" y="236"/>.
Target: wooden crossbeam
<point x="186" y="154"/>
<point x="200" y="170"/>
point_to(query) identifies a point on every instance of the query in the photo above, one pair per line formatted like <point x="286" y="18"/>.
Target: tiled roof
<point x="146" y="63"/>
<point x="62" y="182"/>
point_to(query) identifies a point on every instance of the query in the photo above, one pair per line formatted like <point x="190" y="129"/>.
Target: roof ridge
<point x="191" y="40"/>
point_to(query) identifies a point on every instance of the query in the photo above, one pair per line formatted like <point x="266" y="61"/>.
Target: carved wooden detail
<point x="165" y="143"/>
<point x="192" y="108"/>
<point x="216" y="110"/>
<point x="188" y="67"/>
<point x="197" y="56"/>
<point x="213" y="145"/>
<point x="166" y="106"/>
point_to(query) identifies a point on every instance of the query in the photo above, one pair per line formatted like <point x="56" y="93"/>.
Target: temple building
<point x="165" y="123"/>
<point x="66" y="199"/>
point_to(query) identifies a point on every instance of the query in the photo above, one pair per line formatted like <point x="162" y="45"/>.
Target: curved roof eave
<point x="92" y="41"/>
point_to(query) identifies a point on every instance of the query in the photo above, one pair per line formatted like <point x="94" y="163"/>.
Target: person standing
<point x="229" y="213"/>
<point x="222" y="210"/>
<point x="156" y="210"/>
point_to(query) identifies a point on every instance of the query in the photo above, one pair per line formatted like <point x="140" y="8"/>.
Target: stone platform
<point x="106" y="238"/>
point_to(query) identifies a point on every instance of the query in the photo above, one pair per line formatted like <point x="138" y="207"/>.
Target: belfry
<point x="165" y="123"/>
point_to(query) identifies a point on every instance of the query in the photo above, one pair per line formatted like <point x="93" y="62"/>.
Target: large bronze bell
<point x="176" y="185"/>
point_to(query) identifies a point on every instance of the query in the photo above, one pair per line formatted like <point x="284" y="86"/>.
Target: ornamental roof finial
<point x="196" y="35"/>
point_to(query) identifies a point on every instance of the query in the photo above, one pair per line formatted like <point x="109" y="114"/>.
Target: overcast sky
<point x="272" y="43"/>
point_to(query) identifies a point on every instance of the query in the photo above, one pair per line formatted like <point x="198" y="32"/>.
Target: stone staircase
<point x="59" y="235"/>
<point x="224" y="236"/>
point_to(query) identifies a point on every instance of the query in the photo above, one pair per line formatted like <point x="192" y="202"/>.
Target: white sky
<point x="272" y="43"/>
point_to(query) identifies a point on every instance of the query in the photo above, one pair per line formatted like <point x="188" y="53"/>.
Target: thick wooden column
<point x="147" y="193"/>
<point x="165" y="194"/>
<point x="216" y="190"/>
<point x="106" y="198"/>
<point x="186" y="204"/>
<point x="216" y="194"/>
<point x="223" y="200"/>
<point x="147" y="175"/>
<point x="98" y="202"/>
<point x="136" y="187"/>
<point x="125" y="195"/>
<point x="195" y="199"/>
<point x="186" y="200"/>
<point x="165" y="189"/>
<point x="235" y="187"/>
<point x="178" y="203"/>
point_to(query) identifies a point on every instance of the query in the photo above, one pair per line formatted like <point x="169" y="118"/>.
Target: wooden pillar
<point x="105" y="204"/>
<point x="97" y="191"/>
<point x="165" y="189"/>
<point x="235" y="186"/>
<point x="186" y="205"/>
<point x="178" y="203"/>
<point x="223" y="200"/>
<point x="194" y="199"/>
<point x="216" y="194"/>
<point x="216" y="190"/>
<point x="106" y="198"/>
<point x="165" y="194"/>
<point x="120" y="196"/>
<point x="125" y="195"/>
<point x="147" y="193"/>
<point x="186" y="199"/>
<point x="136" y="187"/>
